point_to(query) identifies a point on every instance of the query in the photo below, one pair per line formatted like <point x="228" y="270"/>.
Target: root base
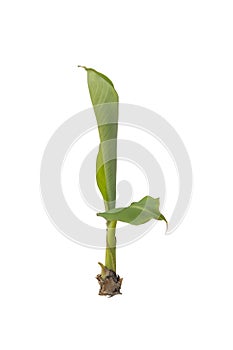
<point x="110" y="285"/>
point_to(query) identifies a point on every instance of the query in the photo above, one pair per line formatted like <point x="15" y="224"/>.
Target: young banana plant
<point x="105" y="103"/>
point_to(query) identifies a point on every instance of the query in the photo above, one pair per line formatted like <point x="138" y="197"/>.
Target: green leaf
<point x="137" y="213"/>
<point x="105" y="102"/>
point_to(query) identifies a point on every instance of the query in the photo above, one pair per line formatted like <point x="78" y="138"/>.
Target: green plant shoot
<point x="105" y="103"/>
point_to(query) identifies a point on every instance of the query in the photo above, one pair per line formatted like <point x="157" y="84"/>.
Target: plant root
<point x="109" y="281"/>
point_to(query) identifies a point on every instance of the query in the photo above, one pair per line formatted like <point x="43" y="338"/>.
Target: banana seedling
<point x="105" y="103"/>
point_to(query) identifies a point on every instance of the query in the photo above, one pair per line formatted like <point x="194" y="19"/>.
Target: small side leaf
<point x="137" y="213"/>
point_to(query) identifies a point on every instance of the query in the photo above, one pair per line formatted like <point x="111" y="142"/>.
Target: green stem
<point x="110" y="256"/>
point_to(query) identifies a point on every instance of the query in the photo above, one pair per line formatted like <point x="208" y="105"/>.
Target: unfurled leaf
<point x="137" y="213"/>
<point x="105" y="102"/>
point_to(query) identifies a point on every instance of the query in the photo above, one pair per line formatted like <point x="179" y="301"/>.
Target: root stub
<point x="110" y="284"/>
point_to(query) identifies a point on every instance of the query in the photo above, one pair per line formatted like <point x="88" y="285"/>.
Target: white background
<point x="174" y="57"/>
